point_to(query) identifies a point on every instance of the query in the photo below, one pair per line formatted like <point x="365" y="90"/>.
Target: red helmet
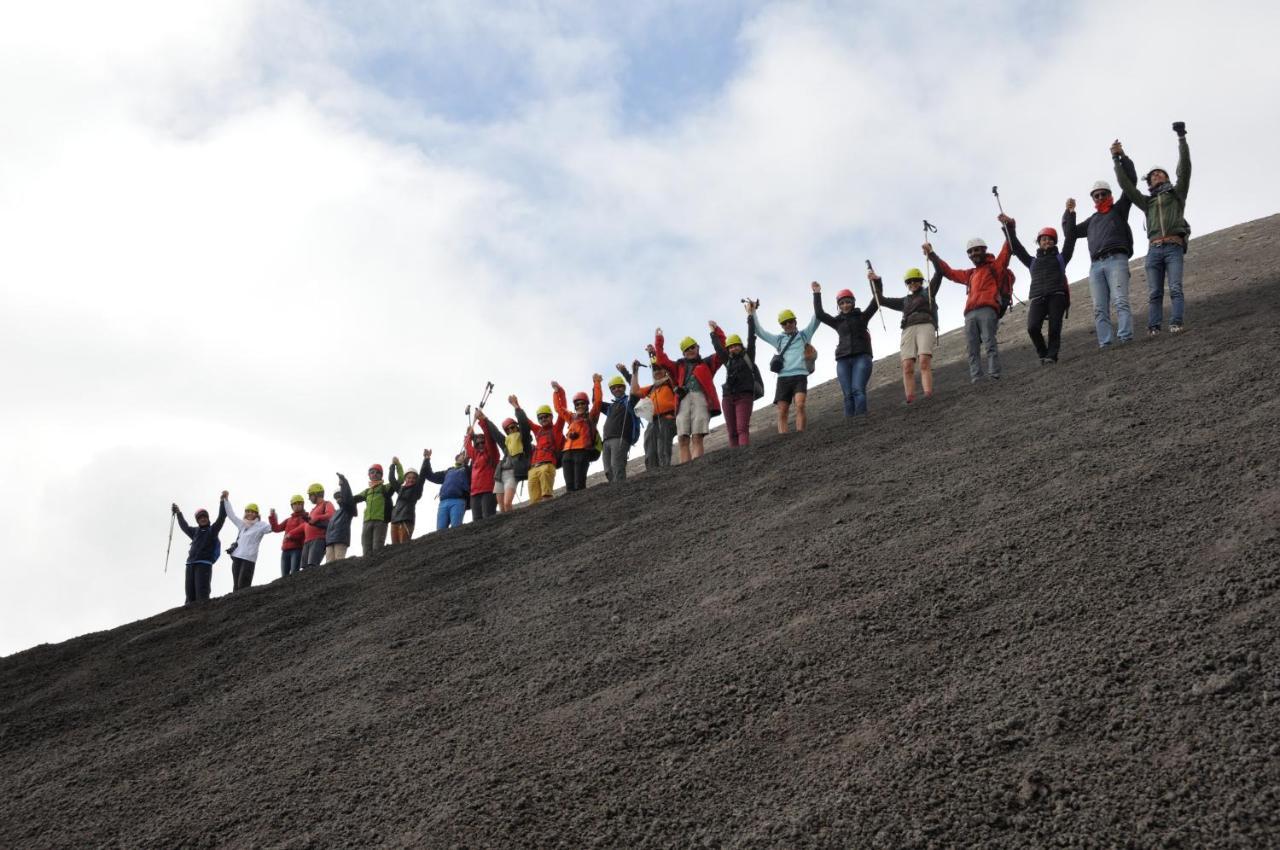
<point x="507" y="423"/>
<point x="1048" y="231"/>
<point x="844" y="293"/>
<point x="376" y="466"/>
<point x="577" y="397"/>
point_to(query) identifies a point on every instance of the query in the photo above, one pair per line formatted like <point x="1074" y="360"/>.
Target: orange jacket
<point x="982" y="281"/>
<point x="579" y="431"/>
<point x="663" y="397"/>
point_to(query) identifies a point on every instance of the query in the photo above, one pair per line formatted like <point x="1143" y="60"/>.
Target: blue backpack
<point x="635" y="423"/>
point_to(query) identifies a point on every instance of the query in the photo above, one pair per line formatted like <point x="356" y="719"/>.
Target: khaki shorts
<point x="693" y="416"/>
<point x="505" y="479"/>
<point x="917" y="340"/>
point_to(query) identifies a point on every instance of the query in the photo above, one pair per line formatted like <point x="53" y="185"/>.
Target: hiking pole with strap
<point x="876" y="296"/>
<point x="995" y="190"/>
<point x="928" y="288"/>
<point x="172" y="519"/>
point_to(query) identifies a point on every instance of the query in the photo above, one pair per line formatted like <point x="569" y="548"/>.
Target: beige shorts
<point x="917" y="340"/>
<point x="693" y="416"/>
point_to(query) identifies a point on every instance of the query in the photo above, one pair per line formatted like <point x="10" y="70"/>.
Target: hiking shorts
<point x="505" y="479"/>
<point x="917" y="340"/>
<point x="789" y="387"/>
<point x="693" y="416"/>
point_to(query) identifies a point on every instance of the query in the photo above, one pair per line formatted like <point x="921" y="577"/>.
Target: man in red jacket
<point x="982" y="308"/>
<point x="548" y="443"/>
<point x="482" y="449"/>
<point x="317" y="524"/>
<point x="695" y="390"/>
<point x="294" y="528"/>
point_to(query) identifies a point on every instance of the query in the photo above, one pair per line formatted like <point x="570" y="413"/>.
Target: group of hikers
<point x="681" y="399"/>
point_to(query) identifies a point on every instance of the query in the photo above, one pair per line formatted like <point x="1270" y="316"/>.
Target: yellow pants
<point x="542" y="480"/>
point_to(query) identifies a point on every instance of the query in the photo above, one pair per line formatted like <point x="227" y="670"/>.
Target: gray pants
<point x="980" y="326"/>
<point x="312" y="553"/>
<point x="373" y="535"/>
<point x="657" y="442"/>
<point x="615" y="458"/>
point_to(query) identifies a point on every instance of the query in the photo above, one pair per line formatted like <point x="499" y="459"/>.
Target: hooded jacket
<point x="204" y="541"/>
<point x="338" y="531"/>
<point x="455" y="482"/>
<point x="250" y="536"/>
<point x="684" y="370"/>
<point x="855" y="339"/>
<point x="484" y="461"/>
<point x="1167" y="203"/>
<point x="982" y="282"/>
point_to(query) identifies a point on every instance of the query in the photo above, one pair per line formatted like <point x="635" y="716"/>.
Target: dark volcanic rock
<point x="1034" y="614"/>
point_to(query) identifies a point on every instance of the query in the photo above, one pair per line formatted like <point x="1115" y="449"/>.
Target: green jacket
<point x="1164" y="210"/>
<point x="377" y="502"/>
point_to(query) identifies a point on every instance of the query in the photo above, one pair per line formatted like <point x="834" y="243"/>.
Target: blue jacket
<point x="455" y="483"/>
<point x="338" y="531"/>
<point x="793" y="359"/>
<point x="205" y="546"/>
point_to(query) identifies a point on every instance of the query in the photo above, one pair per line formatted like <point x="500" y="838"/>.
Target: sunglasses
<point x="579" y="404"/>
<point x="844" y="301"/>
<point x="373" y="473"/>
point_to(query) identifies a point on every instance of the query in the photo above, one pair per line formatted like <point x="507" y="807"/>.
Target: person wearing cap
<point x="377" y="507"/>
<point x="407" y="485"/>
<point x="621" y="426"/>
<point x="791" y="364"/>
<point x="1167" y="231"/>
<point x="660" y="399"/>
<point x="244" y="552"/>
<point x="1110" y="241"/>
<point x="205" y="549"/>
<point x="337" y="534"/>
<point x="455" y="490"/>
<point x="295" y="530"/>
<point x="516" y="445"/>
<point x="742" y="382"/>
<point x="482" y="451"/>
<point x="983" y="284"/>
<point x="697" y="402"/>
<point x="919" y="327"/>
<point x="314" y="530"/>
<point x="853" y="350"/>
<point x="544" y="456"/>
<point x="580" y="432"/>
<point x="1050" y="294"/>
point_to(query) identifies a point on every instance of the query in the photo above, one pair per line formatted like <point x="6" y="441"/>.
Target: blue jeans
<point x="853" y="373"/>
<point x="290" y="561"/>
<point x="1109" y="281"/>
<point x="449" y="514"/>
<point x="1164" y="261"/>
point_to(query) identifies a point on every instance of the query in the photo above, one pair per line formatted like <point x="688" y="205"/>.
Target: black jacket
<point x="618" y="414"/>
<point x="204" y="541"/>
<point x="915" y="309"/>
<point x="406" y="507"/>
<point x="852" y="328"/>
<point x="520" y="462"/>
<point x="1048" y="268"/>
<point x="741" y="372"/>
<point x="1108" y="233"/>
<point x="338" y="531"/>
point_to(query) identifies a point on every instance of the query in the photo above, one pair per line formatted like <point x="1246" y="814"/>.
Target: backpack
<point x="634" y="436"/>
<point x="597" y="444"/>
<point x="810" y="358"/>
<point x="1004" y="286"/>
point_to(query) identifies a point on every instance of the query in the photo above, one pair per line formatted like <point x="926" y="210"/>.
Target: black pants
<point x="483" y="506"/>
<point x="1054" y="307"/>
<point x="199" y="578"/>
<point x="574" y="463"/>
<point x="241" y="573"/>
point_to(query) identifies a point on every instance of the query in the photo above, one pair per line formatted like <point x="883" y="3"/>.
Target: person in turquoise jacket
<point x="790" y="363"/>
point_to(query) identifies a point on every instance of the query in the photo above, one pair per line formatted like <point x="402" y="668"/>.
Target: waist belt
<point x="1112" y="253"/>
<point x="1167" y="240"/>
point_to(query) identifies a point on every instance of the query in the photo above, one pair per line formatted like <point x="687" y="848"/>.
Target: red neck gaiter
<point x="1104" y="206"/>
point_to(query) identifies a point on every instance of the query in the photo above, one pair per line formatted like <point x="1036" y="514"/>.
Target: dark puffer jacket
<point x="855" y="339"/>
<point x="918" y="309"/>
<point x="204" y="541"/>
<point x="740" y="372"/>
<point x="1109" y="232"/>
<point x="1048" y="268"/>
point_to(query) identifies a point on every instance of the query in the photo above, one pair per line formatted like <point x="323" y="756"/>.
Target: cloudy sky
<point x="247" y="244"/>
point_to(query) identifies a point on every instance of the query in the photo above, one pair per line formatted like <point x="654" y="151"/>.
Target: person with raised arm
<point x="1050" y="294"/>
<point x="984" y="285"/>
<point x="660" y="398"/>
<point x="317" y="523"/>
<point x="853" y="348"/>
<point x="407" y="485"/>
<point x="544" y="457"/>
<point x="482" y="451"/>
<point x="919" y="327"/>
<point x="455" y="489"/>
<point x="580" y="432"/>
<point x="621" y="426"/>
<point x="244" y="551"/>
<point x="295" y="530"/>
<point x="377" y="508"/>
<point x="742" y="382"/>
<point x="697" y="402"/>
<point x="204" y="551"/>
<point x="790" y="364"/>
<point x="1110" y="241"/>
<point x="337" y="534"/>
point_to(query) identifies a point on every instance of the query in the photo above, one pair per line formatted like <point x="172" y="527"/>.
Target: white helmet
<point x="1101" y="184"/>
<point x="975" y="242"/>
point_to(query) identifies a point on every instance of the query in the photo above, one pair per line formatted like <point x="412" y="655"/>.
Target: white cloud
<point x="231" y="260"/>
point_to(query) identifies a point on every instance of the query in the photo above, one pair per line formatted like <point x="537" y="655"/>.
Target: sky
<point x="244" y="245"/>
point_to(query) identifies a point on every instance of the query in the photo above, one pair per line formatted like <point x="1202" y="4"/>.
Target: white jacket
<point x="250" y="536"/>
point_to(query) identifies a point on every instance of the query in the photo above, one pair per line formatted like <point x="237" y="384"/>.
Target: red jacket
<point x="704" y="370"/>
<point x="294" y="528"/>
<point x="320" y="513"/>
<point x="584" y="431"/>
<point x="982" y="281"/>
<point x="548" y="442"/>
<point x="484" y="463"/>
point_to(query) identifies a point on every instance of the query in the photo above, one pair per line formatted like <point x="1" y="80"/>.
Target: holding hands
<point x="1071" y="204"/>
<point x="513" y="401"/>
<point x="815" y="286"/>
<point x="1117" y="149"/>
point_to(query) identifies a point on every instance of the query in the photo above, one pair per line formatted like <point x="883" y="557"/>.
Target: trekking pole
<point x="172" y="518"/>
<point x="928" y="289"/>
<point x="995" y="190"/>
<point x="876" y="296"/>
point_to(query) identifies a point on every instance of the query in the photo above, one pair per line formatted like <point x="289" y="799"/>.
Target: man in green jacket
<point x="1167" y="230"/>
<point x="377" y="501"/>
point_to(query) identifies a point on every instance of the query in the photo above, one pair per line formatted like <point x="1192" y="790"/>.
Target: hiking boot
<point x="1175" y="329"/>
<point x="1050" y="360"/>
<point x="1044" y="361"/>
<point x="993" y="377"/>
<point x="1153" y="332"/>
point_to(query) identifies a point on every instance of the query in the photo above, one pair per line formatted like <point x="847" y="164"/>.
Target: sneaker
<point x="1050" y="360"/>
<point x="994" y="377"/>
<point x="1175" y="329"/>
<point x="1153" y="332"/>
<point x="1044" y="360"/>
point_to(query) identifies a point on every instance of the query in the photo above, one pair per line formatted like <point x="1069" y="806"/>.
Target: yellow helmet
<point x="913" y="274"/>
<point x="295" y="499"/>
<point x="315" y="490"/>
<point x="617" y="381"/>
<point x="687" y="343"/>
<point x="732" y="339"/>
<point x="546" y="408"/>
<point x="786" y="316"/>
<point x="252" y="506"/>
